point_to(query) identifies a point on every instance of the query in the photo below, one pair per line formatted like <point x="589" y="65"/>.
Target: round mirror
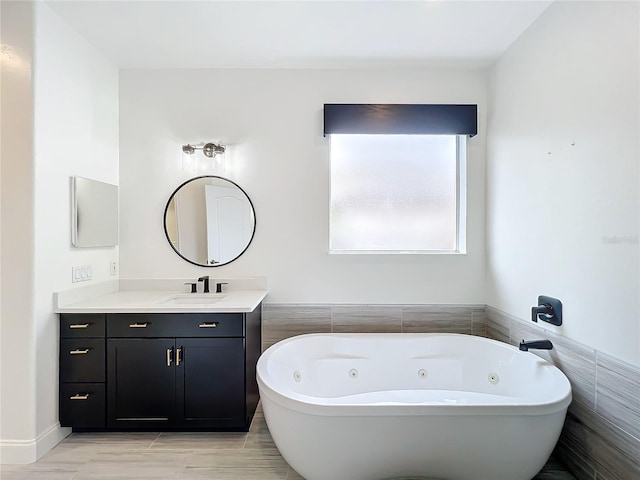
<point x="209" y="221"/>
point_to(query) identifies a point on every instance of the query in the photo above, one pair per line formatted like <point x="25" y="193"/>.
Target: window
<point x="398" y="177"/>
<point x="397" y="193"/>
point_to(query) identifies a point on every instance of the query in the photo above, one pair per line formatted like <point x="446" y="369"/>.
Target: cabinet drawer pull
<point x="79" y="325"/>
<point x="178" y="356"/>
<point x="169" y="352"/>
<point x="208" y="325"/>
<point x="79" y="351"/>
<point x="139" y="325"/>
<point x="79" y="396"/>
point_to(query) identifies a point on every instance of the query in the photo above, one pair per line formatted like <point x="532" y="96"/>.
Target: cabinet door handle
<point x="138" y="325"/>
<point x="169" y="355"/>
<point x="79" y="325"/>
<point x="208" y="325"/>
<point x="79" y="396"/>
<point x="79" y="351"/>
<point x="178" y="356"/>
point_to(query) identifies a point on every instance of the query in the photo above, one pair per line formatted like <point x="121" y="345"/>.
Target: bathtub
<point x="443" y="406"/>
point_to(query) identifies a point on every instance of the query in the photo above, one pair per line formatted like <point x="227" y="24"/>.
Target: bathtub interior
<point x="410" y="368"/>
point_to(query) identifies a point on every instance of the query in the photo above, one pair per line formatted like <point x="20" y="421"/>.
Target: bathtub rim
<point x="315" y="406"/>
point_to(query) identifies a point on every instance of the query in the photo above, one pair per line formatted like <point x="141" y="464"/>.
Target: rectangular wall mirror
<point x="94" y="216"/>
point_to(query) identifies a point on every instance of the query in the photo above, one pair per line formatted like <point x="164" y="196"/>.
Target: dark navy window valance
<point x="400" y="119"/>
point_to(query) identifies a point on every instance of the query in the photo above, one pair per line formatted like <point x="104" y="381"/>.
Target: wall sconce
<point x="210" y="150"/>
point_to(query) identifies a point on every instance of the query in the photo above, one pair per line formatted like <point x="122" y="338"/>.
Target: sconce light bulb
<point x="188" y="149"/>
<point x="219" y="149"/>
<point x="213" y="149"/>
<point x="208" y="149"/>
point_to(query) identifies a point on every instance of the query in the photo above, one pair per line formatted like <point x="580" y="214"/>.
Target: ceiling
<point x="299" y="33"/>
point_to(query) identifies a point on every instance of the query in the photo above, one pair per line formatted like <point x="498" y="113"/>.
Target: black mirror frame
<point x="166" y="233"/>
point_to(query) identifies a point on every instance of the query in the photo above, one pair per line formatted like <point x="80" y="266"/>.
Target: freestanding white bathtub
<point x="443" y="406"/>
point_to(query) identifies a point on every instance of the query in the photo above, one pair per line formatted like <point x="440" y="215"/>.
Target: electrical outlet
<point x="113" y="268"/>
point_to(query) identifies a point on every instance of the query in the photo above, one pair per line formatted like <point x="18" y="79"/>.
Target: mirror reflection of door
<point x="228" y="222"/>
<point x="190" y="236"/>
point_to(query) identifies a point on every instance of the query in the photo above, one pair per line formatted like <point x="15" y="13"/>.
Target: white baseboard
<point x="29" y="451"/>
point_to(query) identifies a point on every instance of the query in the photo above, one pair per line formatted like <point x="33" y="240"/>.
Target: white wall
<point x="74" y="106"/>
<point x="17" y="351"/>
<point x="272" y="122"/>
<point x="563" y="173"/>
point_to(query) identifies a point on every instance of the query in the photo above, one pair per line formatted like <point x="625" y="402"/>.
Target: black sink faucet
<point x="539" y="344"/>
<point x="205" y="279"/>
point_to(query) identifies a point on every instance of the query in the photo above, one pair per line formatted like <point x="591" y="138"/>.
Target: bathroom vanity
<point x="144" y="354"/>
<point x="148" y="361"/>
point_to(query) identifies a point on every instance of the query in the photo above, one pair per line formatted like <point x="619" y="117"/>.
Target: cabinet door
<point x="141" y="382"/>
<point x="211" y="382"/>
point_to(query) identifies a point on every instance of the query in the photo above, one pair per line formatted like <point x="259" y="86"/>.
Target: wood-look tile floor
<point x="175" y="456"/>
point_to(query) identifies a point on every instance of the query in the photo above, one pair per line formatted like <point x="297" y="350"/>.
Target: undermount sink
<point x="193" y="298"/>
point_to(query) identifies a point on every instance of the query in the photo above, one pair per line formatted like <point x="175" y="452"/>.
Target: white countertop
<point x="113" y="298"/>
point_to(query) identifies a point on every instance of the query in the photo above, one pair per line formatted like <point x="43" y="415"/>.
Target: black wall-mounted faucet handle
<point x="548" y="310"/>
<point x="219" y="286"/>
<point x="541" y="310"/>
<point x="193" y="286"/>
<point x="205" y="279"/>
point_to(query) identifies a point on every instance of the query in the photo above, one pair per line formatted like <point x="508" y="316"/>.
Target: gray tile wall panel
<point x="280" y="321"/>
<point x="618" y="393"/>
<point x="479" y="321"/>
<point x="519" y="331"/>
<point x="436" y="319"/>
<point x="366" y="318"/>
<point x="574" y="462"/>
<point x="573" y="448"/>
<point x="498" y="325"/>
<point x="614" y="452"/>
<point x="578" y="363"/>
<point x="554" y="470"/>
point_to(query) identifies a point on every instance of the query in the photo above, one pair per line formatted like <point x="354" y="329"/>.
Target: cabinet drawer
<point x="82" y="360"/>
<point x="175" y="325"/>
<point x="82" y="325"/>
<point x="82" y="405"/>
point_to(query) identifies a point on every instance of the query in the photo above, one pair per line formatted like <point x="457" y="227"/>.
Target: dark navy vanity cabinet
<point x="159" y="371"/>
